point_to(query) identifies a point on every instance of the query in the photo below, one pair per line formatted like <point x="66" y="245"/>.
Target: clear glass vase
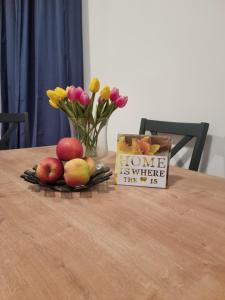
<point x="92" y="136"/>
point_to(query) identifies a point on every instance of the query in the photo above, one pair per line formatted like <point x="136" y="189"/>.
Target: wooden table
<point x="113" y="242"/>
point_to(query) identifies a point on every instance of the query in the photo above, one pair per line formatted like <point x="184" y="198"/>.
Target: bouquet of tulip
<point x="87" y="118"/>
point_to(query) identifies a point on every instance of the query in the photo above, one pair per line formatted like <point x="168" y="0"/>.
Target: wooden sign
<point x="142" y="160"/>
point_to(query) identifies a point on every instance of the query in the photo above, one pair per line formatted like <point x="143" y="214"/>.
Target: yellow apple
<point x="91" y="163"/>
<point x="76" y="172"/>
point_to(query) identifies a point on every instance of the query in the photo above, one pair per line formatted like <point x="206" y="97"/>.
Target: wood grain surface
<point x="113" y="242"/>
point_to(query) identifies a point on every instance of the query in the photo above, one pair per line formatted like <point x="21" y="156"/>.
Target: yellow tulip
<point x="53" y="98"/>
<point x="53" y="104"/>
<point x="61" y="93"/>
<point x="105" y="92"/>
<point x="94" y="85"/>
<point x="52" y="95"/>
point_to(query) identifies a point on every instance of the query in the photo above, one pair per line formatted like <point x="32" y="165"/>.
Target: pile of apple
<point x="70" y="164"/>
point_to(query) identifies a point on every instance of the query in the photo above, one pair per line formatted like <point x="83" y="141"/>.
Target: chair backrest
<point x="187" y="130"/>
<point x="13" y="119"/>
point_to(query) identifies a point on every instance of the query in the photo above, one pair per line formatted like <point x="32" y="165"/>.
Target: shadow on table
<point x="104" y="187"/>
<point x="173" y="179"/>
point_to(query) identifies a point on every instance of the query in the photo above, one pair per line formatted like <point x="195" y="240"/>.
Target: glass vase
<point x="92" y="136"/>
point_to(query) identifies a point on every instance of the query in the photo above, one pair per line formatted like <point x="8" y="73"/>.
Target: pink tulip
<point x="74" y="93"/>
<point x="121" y="101"/>
<point x="84" y="99"/>
<point x="114" y="94"/>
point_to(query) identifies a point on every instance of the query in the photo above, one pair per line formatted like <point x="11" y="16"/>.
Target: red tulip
<point x="84" y="99"/>
<point x="114" y="94"/>
<point x="121" y="101"/>
<point x="74" y="93"/>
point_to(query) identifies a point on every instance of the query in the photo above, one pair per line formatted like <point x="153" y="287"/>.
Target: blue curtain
<point x="41" y="48"/>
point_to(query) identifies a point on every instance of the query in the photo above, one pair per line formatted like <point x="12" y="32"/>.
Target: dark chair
<point x="13" y="120"/>
<point x="188" y="130"/>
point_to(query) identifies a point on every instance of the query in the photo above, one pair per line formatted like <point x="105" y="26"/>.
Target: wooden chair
<point x="14" y="119"/>
<point x="187" y="130"/>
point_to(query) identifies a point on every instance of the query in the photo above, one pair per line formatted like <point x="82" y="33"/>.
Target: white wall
<point x="168" y="57"/>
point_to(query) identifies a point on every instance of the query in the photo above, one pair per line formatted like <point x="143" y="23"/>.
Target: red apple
<point x="49" y="170"/>
<point x="69" y="148"/>
<point x="76" y="172"/>
<point x="91" y="163"/>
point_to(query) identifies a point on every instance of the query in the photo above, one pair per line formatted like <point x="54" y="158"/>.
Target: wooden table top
<point x="113" y="242"/>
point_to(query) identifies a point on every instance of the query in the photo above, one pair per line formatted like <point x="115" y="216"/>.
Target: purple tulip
<point x="114" y="94"/>
<point x="84" y="99"/>
<point x="99" y="99"/>
<point x="74" y="93"/>
<point x="121" y="101"/>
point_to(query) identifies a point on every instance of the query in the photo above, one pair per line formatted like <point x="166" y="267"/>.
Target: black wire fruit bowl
<point x="60" y="185"/>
